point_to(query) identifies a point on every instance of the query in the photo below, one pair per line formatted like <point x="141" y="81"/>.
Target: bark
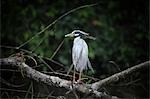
<point x="18" y="61"/>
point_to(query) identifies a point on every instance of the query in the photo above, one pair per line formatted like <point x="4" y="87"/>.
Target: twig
<point x="9" y="84"/>
<point x="75" y="94"/>
<point x="57" y="49"/>
<point x="45" y="63"/>
<point x="15" y="90"/>
<point x="59" y="18"/>
<point x="29" y="52"/>
<point x="116" y="65"/>
<point x="70" y="68"/>
<point x="28" y="91"/>
<point x="40" y="42"/>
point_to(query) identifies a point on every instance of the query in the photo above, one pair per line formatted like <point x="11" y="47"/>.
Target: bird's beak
<point x="69" y="35"/>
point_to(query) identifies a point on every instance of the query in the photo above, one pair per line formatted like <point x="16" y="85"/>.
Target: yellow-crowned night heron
<point x="80" y="52"/>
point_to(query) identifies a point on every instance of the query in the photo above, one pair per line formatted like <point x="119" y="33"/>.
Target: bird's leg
<point x="80" y="74"/>
<point x="74" y="75"/>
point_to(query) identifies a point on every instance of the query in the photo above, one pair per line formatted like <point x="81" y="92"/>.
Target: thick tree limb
<point x="116" y="77"/>
<point x="50" y="80"/>
<point x="56" y="81"/>
<point x="34" y="74"/>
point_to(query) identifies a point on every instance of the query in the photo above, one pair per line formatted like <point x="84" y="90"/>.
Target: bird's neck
<point x="77" y="37"/>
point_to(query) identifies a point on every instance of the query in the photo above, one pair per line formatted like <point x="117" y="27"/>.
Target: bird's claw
<point x="80" y="81"/>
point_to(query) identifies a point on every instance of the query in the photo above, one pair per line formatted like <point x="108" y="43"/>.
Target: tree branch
<point x="18" y="61"/>
<point x="116" y="77"/>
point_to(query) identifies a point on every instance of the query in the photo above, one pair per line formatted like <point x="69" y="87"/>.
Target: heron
<point x="80" y="52"/>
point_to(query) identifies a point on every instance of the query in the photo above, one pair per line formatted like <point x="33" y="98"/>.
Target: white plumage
<point x="80" y="52"/>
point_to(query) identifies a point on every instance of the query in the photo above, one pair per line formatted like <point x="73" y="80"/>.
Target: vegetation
<point x="120" y="28"/>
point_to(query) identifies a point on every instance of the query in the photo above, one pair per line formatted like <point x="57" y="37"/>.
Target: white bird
<point x="80" y="52"/>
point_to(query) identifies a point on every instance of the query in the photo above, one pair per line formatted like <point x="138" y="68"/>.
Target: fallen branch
<point x="18" y="61"/>
<point x="34" y="74"/>
<point x="116" y="77"/>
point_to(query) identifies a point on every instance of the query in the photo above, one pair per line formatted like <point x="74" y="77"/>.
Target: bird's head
<point x="76" y="33"/>
<point x="79" y="33"/>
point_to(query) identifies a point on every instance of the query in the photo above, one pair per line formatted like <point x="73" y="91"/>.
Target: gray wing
<point x="76" y="54"/>
<point x="89" y="65"/>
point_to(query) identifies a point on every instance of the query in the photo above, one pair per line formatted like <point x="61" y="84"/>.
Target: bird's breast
<point x="80" y="54"/>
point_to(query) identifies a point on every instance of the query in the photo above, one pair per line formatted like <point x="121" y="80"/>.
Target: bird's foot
<point x="74" y="82"/>
<point x="79" y="81"/>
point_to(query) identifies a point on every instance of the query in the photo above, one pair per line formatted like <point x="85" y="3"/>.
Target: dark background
<point x="121" y="29"/>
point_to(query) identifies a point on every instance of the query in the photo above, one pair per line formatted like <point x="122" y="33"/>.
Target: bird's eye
<point x="76" y="32"/>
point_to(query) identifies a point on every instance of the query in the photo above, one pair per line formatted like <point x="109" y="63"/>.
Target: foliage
<point x="120" y="28"/>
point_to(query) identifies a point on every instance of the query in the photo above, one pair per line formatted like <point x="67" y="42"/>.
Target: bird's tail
<point x="89" y="66"/>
